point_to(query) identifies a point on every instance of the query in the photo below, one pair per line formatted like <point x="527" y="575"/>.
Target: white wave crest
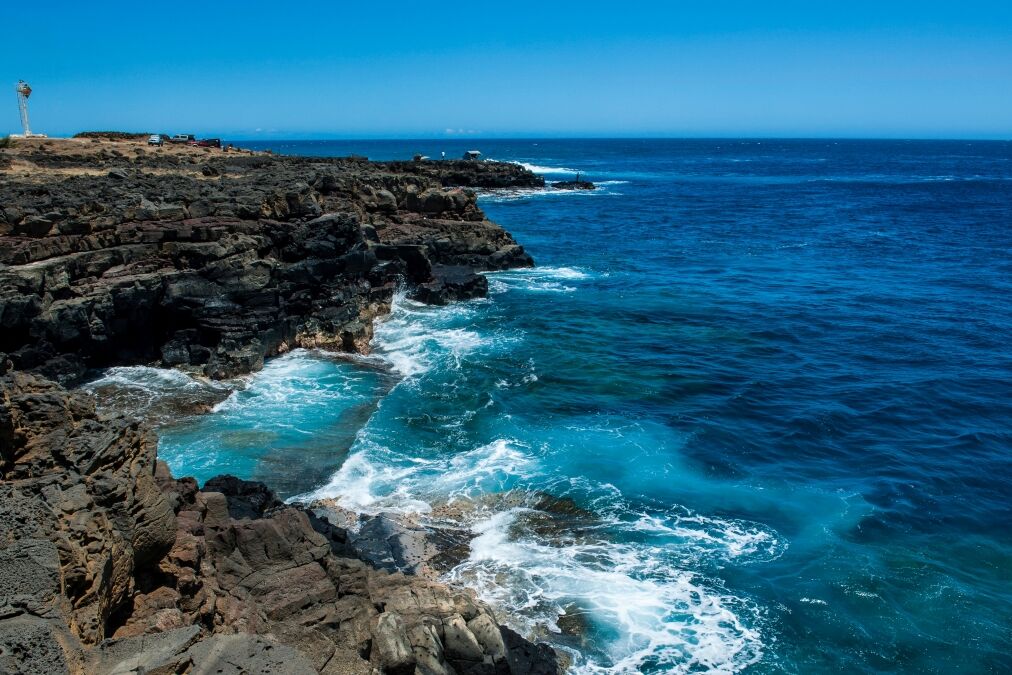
<point x="145" y="377"/>
<point x="499" y="195"/>
<point x="299" y="376"/>
<point x="140" y="389"/>
<point x="411" y="340"/>
<point x="537" y="168"/>
<point x="375" y="479"/>
<point x="537" y="279"/>
<point x="702" y="538"/>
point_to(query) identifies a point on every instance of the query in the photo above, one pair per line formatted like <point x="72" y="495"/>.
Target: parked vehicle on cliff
<point x="182" y="138"/>
<point x="155" y="139"/>
<point x="207" y="143"/>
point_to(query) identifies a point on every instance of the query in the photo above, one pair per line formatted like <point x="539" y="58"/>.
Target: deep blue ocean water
<point x="776" y="374"/>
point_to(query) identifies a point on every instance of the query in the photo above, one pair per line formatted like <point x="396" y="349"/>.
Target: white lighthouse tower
<point x="24" y="91"/>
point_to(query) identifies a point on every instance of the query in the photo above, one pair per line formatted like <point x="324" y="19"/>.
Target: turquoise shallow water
<point x="776" y="376"/>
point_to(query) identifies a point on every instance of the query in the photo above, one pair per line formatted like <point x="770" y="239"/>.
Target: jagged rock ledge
<point x="114" y="253"/>
<point x="109" y="565"/>
<point x="574" y="185"/>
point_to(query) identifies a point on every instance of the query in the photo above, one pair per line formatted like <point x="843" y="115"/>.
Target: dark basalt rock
<point x="524" y="656"/>
<point x="246" y="499"/>
<point x="390" y="543"/>
<point x="219" y="260"/>
<point x="574" y="185"/>
<point x="450" y="283"/>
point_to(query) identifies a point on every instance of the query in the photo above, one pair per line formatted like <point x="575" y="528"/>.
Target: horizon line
<point x="324" y="137"/>
<point x="951" y="139"/>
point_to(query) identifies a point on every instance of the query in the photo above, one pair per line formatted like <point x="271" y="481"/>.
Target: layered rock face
<point x="112" y="253"/>
<point x="80" y="512"/>
<point x="109" y="565"/>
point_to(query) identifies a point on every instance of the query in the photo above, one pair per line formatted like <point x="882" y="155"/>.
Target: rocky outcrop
<point x="114" y="253"/>
<point x="451" y="282"/>
<point x="117" y="253"/>
<point x="80" y="514"/>
<point x="467" y="173"/>
<point x="574" y="185"/>
<point x="109" y="565"/>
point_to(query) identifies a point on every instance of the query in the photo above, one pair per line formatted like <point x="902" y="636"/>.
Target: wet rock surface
<point x="398" y="542"/>
<point x="114" y="253"/>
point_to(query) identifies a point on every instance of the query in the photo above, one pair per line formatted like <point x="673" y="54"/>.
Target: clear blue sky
<point x="420" y="69"/>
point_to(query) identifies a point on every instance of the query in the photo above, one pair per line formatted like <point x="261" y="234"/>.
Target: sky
<point x="889" y="69"/>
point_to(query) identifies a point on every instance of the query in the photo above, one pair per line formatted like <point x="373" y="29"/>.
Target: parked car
<point x="155" y="139"/>
<point x="183" y="138"/>
<point x="209" y="143"/>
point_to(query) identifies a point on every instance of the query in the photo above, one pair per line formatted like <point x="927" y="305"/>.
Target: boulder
<point x="574" y="185"/>
<point x="245" y="499"/>
<point x="451" y="283"/>
<point x="391" y="649"/>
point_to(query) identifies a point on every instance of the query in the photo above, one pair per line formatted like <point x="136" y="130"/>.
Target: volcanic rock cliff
<point x="113" y="253"/>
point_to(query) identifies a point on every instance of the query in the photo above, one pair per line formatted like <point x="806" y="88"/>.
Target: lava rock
<point x="246" y="499"/>
<point x="156" y="263"/>
<point x="451" y="283"/>
<point x="574" y="185"/>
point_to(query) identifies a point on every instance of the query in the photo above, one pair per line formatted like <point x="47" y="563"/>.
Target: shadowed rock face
<point x="111" y="253"/>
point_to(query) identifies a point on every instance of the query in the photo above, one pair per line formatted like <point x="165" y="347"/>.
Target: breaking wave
<point x="537" y="280"/>
<point x="545" y="170"/>
<point x="157" y="395"/>
<point x="623" y="588"/>
<point x="661" y="617"/>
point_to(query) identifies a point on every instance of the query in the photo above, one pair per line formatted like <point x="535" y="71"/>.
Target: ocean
<point x="750" y="412"/>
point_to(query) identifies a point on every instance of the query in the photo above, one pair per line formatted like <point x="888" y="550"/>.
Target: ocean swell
<point x="622" y="587"/>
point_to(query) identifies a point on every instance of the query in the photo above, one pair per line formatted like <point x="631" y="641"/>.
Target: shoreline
<point x="114" y="254"/>
<point x="208" y="244"/>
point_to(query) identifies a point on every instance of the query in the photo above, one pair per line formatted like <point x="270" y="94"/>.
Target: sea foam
<point x="376" y="479"/>
<point x="537" y="280"/>
<point x="660" y="615"/>
<point x="538" y="169"/>
<point x="152" y="393"/>
<point x="632" y="574"/>
<point x="414" y="337"/>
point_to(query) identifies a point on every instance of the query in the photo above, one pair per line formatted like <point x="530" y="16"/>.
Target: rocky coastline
<point x="574" y="185"/>
<point x="113" y="253"/>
